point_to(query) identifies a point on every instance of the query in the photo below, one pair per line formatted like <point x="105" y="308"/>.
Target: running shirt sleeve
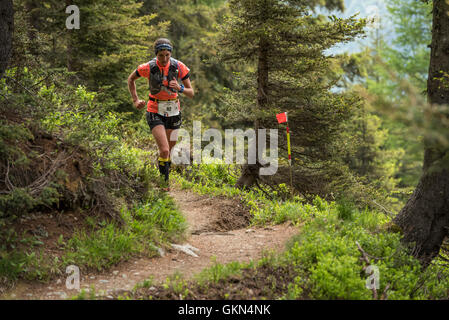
<point x="143" y="70"/>
<point x="184" y="71"/>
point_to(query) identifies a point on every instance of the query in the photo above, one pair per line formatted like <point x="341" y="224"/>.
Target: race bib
<point x="167" y="108"/>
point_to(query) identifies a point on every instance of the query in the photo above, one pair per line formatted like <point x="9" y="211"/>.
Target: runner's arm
<point x="139" y="104"/>
<point x="188" y="90"/>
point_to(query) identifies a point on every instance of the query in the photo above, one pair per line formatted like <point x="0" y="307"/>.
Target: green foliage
<point x="161" y="215"/>
<point x="20" y="201"/>
<point x="101" y="249"/>
<point x="177" y="285"/>
<point x="29" y="265"/>
<point x="405" y="63"/>
<point x="213" y="174"/>
<point x="327" y="254"/>
<point x="345" y="209"/>
<point x="365" y="149"/>
<point x="82" y="120"/>
<point x="145" y="284"/>
<point x="16" y="202"/>
<point x="147" y="226"/>
<point x="12" y="136"/>
<point x="219" y="271"/>
<point x="281" y="212"/>
<point x="409" y="54"/>
<point x="86" y="294"/>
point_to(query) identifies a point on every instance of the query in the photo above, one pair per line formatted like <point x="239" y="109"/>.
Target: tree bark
<point x="6" y="32"/>
<point x="425" y="218"/>
<point x="250" y="172"/>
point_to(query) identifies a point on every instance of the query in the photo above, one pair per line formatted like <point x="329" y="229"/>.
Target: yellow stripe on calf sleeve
<point x="162" y="161"/>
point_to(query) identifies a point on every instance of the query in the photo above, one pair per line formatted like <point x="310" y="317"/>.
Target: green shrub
<point x="345" y="209"/>
<point x="17" y="202"/>
<point x="337" y="277"/>
<point x="12" y="136"/>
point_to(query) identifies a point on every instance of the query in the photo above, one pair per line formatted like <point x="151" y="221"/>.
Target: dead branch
<point x="389" y="213"/>
<point x="366" y="259"/>
<point x="364" y="254"/>
<point x="33" y="95"/>
<point x="384" y="295"/>
<point x="8" y="183"/>
<point x="40" y="183"/>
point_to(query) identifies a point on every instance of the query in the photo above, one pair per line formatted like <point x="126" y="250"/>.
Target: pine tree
<point x="279" y="47"/>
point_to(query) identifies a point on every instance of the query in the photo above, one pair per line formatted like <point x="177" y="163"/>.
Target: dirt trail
<point x="218" y="227"/>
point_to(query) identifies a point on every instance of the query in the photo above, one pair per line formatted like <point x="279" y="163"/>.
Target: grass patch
<point x="147" y="226"/>
<point x="219" y="271"/>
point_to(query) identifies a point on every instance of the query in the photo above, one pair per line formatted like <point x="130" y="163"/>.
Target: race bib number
<point x="167" y="108"/>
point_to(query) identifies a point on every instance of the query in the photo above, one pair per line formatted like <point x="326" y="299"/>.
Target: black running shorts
<point x="154" y="119"/>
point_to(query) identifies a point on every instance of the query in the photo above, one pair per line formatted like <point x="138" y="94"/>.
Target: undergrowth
<point x="328" y="256"/>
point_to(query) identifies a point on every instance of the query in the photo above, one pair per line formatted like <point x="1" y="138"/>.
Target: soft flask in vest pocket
<point x="155" y="83"/>
<point x="156" y="76"/>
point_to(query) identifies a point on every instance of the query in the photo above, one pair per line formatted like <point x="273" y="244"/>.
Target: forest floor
<point x="218" y="230"/>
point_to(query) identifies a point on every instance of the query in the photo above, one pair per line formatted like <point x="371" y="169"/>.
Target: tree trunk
<point x="6" y="31"/>
<point x="425" y="218"/>
<point x="250" y="172"/>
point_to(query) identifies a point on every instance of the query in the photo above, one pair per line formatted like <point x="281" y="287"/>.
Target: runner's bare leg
<point x="172" y="137"/>
<point x="160" y="135"/>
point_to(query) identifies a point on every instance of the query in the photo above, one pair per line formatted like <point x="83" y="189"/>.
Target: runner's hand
<point x="139" y="104"/>
<point x="174" y="85"/>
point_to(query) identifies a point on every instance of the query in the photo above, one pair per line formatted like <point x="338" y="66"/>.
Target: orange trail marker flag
<point x="282" y="117"/>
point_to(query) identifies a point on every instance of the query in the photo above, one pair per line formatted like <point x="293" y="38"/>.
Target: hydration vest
<point x="156" y="76"/>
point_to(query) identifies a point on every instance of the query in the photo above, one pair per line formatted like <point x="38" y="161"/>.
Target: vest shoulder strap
<point x="173" y="64"/>
<point x="154" y="67"/>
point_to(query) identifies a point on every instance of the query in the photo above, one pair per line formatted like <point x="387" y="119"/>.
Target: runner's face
<point x="163" y="57"/>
